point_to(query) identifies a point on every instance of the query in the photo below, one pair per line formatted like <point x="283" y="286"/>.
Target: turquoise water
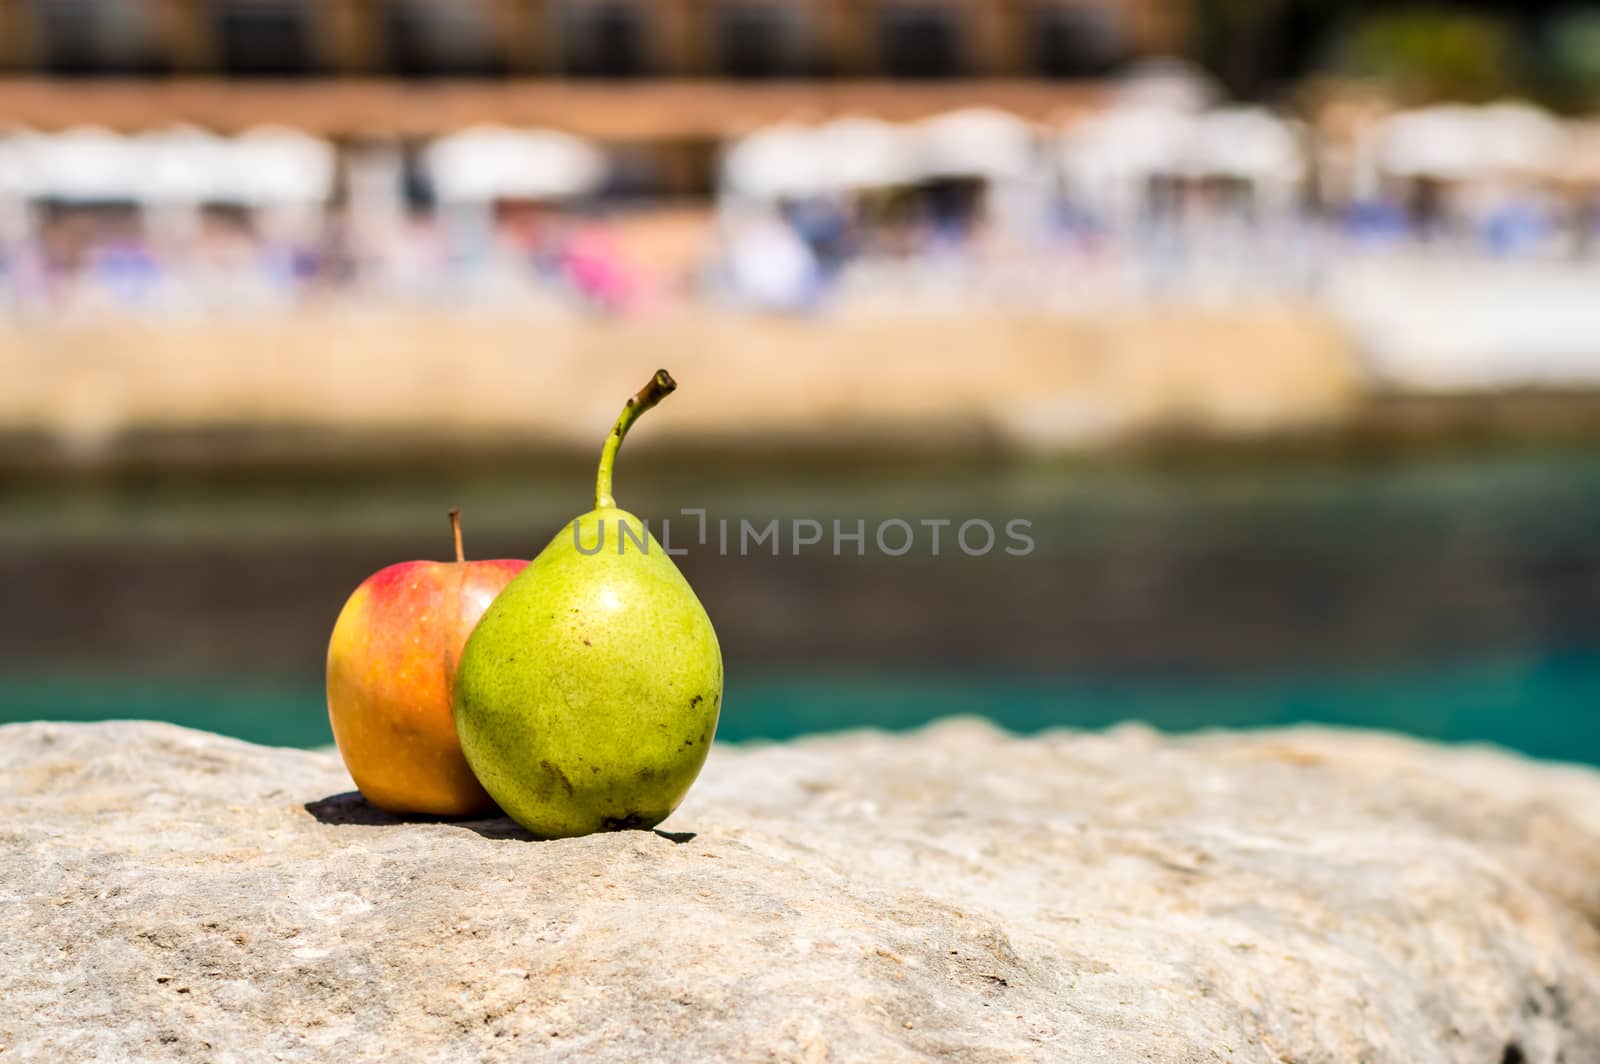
<point x="1453" y="597"/>
<point x="1545" y="706"/>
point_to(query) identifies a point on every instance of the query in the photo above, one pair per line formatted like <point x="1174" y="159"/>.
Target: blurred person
<point x="825" y="226"/>
<point x="405" y="259"/>
<point x="1508" y="219"/>
<point x="769" y="266"/>
<point x="950" y="211"/>
<point x="592" y="262"/>
<point x="123" y="267"/>
<point x="1516" y="226"/>
<point x="1374" y="222"/>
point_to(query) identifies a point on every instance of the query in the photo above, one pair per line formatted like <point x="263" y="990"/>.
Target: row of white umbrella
<point x="794" y="160"/>
<point x="1143" y="137"/>
<point x="1125" y="143"/>
<point x="273" y="166"/>
<point x="1459" y="142"/>
<point x="267" y="166"/>
<point x="486" y="163"/>
<point x="1136" y="142"/>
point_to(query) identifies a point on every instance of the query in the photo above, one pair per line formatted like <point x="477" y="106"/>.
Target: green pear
<point x="587" y="697"/>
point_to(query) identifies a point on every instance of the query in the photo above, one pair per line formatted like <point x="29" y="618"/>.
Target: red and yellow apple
<point x="391" y="665"/>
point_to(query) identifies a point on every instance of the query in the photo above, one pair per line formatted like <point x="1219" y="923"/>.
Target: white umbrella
<point x="17" y="153"/>
<point x="185" y="165"/>
<point x="1521" y="138"/>
<point x="974" y="142"/>
<point x="488" y="163"/>
<point x="858" y="152"/>
<point x="18" y="158"/>
<point x="774" y="163"/>
<point x="84" y="165"/>
<point x="1444" y="141"/>
<point x="1127" y="145"/>
<point x="277" y="166"/>
<point x="1166" y="84"/>
<point x="1250" y="143"/>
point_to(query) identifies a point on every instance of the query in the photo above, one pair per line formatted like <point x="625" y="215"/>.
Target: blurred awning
<point x="488" y="163"/>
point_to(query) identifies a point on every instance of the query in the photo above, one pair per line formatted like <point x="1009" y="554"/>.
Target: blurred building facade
<point x="602" y="39"/>
<point x="665" y="79"/>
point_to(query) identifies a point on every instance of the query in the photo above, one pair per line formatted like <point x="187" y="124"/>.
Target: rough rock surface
<point x="958" y="893"/>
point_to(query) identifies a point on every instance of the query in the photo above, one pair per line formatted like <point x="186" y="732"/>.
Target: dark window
<point x="762" y="40"/>
<point x="1071" y="41"/>
<point x="87" y="37"/>
<point x="604" y="39"/>
<point x="432" y="39"/>
<point x="921" y="41"/>
<point x="266" y="38"/>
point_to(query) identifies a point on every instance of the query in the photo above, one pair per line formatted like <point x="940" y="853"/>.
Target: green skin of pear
<point x="587" y="697"/>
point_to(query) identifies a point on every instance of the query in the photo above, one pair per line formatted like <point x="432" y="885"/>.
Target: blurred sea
<point x="1454" y="597"/>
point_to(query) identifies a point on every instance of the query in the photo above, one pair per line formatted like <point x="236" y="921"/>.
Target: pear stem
<point x="455" y="529"/>
<point x="660" y="386"/>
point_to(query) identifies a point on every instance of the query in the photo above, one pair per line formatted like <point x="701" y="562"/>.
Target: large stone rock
<point x="958" y="893"/>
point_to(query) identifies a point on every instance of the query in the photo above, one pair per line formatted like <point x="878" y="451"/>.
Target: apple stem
<point x="660" y="386"/>
<point x="455" y="529"/>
